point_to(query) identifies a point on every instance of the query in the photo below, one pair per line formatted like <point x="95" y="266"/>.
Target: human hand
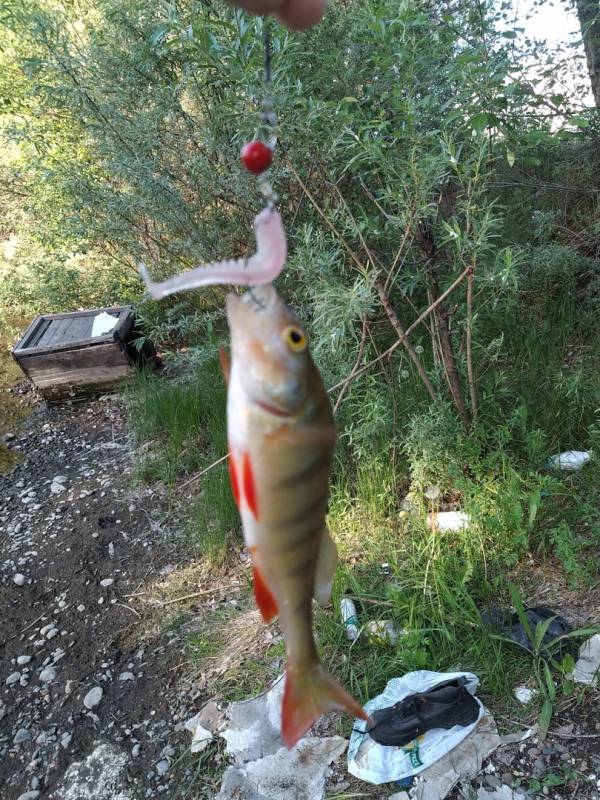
<point x="295" y="14"/>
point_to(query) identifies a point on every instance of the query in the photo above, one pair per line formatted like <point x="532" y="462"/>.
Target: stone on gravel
<point x="286" y="774"/>
<point x="47" y="675"/>
<point x="524" y="694"/>
<point x="101" y="776"/>
<point x="22" y="735"/>
<point x="588" y="663"/>
<point x="162" y="767"/>
<point x="13" y="678"/>
<point x="65" y="739"/>
<point x="32" y="795"/>
<point x="93" y="697"/>
<point x="126" y="676"/>
<point x="19" y="579"/>
<point x="22" y="660"/>
<point x="106" y="582"/>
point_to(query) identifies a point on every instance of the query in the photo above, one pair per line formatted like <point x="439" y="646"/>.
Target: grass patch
<point x="181" y="424"/>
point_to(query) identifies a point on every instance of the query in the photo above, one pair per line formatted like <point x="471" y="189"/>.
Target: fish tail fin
<point x="308" y="694"/>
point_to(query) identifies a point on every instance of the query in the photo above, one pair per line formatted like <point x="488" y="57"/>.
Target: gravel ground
<point x="78" y="670"/>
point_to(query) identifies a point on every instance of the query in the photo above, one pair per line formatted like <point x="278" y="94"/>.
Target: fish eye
<point x="295" y="338"/>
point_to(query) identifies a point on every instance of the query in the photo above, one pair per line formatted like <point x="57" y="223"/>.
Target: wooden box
<point x="62" y="359"/>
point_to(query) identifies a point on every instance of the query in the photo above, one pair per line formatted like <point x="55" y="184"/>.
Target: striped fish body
<point x="281" y="440"/>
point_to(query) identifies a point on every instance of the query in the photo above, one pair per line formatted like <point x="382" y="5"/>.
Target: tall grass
<point x="183" y="423"/>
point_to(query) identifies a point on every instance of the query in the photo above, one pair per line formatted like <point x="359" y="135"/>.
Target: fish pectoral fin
<point x="326" y="563"/>
<point x="225" y="362"/>
<point x="309" y="693"/>
<point x="264" y="597"/>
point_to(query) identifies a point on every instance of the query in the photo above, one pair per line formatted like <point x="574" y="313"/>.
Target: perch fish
<point x="281" y="439"/>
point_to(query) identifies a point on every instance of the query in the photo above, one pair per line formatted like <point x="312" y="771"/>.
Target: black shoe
<point x="444" y="706"/>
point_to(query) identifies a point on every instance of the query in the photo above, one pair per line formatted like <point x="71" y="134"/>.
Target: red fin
<point x="225" y="364"/>
<point x="264" y="598"/>
<point x="249" y="486"/>
<point x="307" y="695"/>
<point x="235" y="487"/>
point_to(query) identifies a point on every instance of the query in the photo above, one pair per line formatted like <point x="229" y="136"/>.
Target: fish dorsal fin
<point x="225" y="364"/>
<point x="326" y="563"/>
<point x="264" y="597"/>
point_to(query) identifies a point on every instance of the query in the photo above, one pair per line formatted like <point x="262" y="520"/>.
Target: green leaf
<point x="545" y="719"/>
<point x="541" y="629"/>
<point x="510" y="157"/>
<point x="349" y="100"/>
<point x="509" y="34"/>
<point x="520" y="609"/>
<point x="480" y="121"/>
<point x="553" y="780"/>
<point x="581" y="122"/>
<point x="158" y="35"/>
<point x="568" y="664"/>
<point x="550" y="687"/>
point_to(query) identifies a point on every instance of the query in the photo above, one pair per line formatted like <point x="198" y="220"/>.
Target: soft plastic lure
<point x="262" y="267"/>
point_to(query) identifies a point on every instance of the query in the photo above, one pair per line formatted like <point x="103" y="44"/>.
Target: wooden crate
<point x="61" y="358"/>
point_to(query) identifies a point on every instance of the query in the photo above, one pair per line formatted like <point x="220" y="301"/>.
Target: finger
<point x="301" y="14"/>
<point x="261" y="6"/>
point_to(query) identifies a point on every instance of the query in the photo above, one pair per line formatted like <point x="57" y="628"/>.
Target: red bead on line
<point x="256" y="157"/>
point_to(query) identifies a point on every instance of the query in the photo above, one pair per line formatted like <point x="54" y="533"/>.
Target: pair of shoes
<point x="448" y="704"/>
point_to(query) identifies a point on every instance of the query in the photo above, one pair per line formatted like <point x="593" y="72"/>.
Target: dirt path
<point x="75" y="540"/>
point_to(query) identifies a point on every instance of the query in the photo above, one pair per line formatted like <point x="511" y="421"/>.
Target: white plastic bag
<point x="376" y="763"/>
<point x="569" y="461"/>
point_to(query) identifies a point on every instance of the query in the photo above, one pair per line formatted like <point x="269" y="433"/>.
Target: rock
<point x="80" y="607"/>
<point x="285" y="774"/>
<point x="93" y="697"/>
<point x="23" y="660"/>
<point x="135" y="750"/>
<point x="52" y="633"/>
<point x="59" y="479"/>
<point x="32" y="795"/>
<point x="13" y="678"/>
<point x="57" y="488"/>
<point x="22" y="735"/>
<point x="162" y="767"/>
<point x="106" y="582"/>
<point x="101" y="776"/>
<point x="524" y="694"/>
<point x="126" y="676"/>
<point x="47" y="675"/>
<point x="65" y="739"/>
<point x="588" y="663"/>
<point x="19" y="579"/>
